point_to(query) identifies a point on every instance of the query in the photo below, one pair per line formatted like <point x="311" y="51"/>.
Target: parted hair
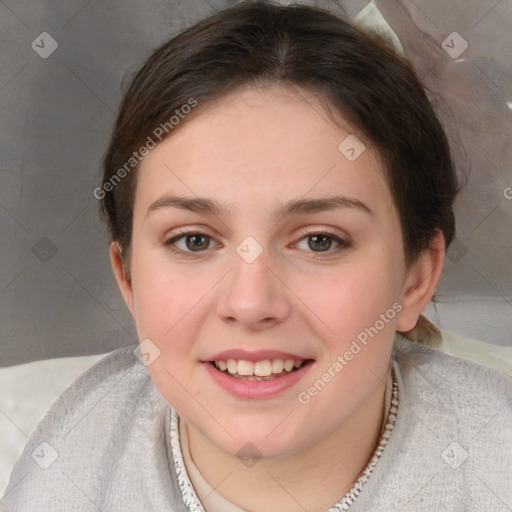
<point x="260" y="43"/>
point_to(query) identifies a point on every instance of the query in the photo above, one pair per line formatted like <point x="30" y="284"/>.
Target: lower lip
<point x="254" y="389"/>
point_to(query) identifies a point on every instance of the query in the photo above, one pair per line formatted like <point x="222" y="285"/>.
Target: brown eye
<point x="193" y="242"/>
<point x="322" y="242"/>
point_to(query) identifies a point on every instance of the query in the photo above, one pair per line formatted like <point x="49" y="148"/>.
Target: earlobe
<point x="123" y="281"/>
<point x="421" y="284"/>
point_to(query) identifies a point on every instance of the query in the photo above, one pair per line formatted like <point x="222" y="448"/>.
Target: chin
<point x="261" y="439"/>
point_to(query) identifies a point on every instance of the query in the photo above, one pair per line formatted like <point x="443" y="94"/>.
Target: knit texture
<point x="103" y="446"/>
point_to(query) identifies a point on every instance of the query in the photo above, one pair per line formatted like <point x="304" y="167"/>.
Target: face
<point x="256" y="280"/>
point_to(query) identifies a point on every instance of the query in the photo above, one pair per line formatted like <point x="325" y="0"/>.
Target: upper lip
<point x="256" y="355"/>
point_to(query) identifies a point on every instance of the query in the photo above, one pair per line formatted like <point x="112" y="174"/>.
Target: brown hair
<point x="262" y="43"/>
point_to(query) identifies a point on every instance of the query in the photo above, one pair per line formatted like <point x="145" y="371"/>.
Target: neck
<point x="318" y="479"/>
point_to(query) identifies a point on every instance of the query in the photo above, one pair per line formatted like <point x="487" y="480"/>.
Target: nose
<point x="254" y="295"/>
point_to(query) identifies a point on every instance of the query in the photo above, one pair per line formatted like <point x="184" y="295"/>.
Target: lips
<point x="257" y="374"/>
<point x="256" y="387"/>
<point x="257" y="355"/>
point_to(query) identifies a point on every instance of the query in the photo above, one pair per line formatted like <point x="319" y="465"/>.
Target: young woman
<point x="279" y="194"/>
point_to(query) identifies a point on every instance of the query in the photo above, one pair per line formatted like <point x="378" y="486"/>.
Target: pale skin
<point x="253" y="152"/>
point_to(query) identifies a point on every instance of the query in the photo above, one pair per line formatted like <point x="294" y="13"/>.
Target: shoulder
<point x="454" y="393"/>
<point x="448" y="375"/>
<point x="118" y="376"/>
<point x="460" y="413"/>
<point x="451" y="445"/>
<point x="99" y="431"/>
<point x="482" y="352"/>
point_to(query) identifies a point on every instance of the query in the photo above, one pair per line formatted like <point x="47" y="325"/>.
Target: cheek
<point x="169" y="312"/>
<point x="166" y="310"/>
<point x="162" y="296"/>
<point x="349" y="299"/>
<point x="355" y="314"/>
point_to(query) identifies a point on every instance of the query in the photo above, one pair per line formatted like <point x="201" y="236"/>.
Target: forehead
<point x="259" y="148"/>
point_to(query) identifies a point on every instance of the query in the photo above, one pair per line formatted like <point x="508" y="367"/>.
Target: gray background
<point x="58" y="296"/>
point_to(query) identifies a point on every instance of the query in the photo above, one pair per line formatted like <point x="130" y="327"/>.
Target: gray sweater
<point x="104" y="444"/>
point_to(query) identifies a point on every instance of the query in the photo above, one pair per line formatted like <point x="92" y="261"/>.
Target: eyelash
<point x="343" y="244"/>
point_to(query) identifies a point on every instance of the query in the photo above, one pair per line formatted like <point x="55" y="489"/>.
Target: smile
<point x="259" y="370"/>
<point x="240" y="377"/>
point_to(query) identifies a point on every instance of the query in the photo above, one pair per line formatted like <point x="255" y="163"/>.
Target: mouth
<point x="264" y="370"/>
<point x="265" y="377"/>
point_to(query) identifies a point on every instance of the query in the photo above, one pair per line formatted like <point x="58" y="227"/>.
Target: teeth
<point x="245" y="368"/>
<point x="288" y="365"/>
<point x="232" y="365"/>
<point x="277" y="366"/>
<point x="264" y="368"/>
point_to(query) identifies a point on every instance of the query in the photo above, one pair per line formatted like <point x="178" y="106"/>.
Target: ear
<point x="421" y="284"/>
<point x="123" y="281"/>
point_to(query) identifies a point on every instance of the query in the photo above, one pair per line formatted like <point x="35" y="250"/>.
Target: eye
<point x="323" y="240"/>
<point x="197" y="242"/>
<point x="193" y="242"/>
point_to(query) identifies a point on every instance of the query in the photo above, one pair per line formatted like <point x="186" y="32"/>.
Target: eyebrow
<point x="294" y="206"/>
